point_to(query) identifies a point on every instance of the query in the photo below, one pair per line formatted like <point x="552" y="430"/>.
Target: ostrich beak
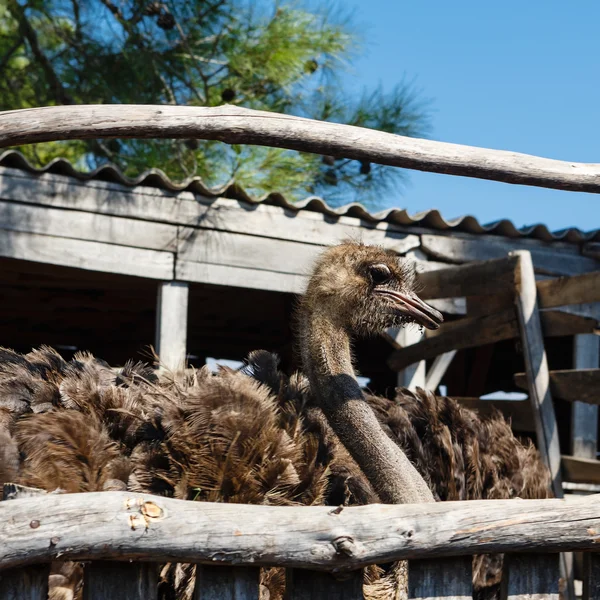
<point x="410" y="305"/>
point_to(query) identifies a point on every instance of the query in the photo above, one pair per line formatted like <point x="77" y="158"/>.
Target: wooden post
<point x="112" y="580"/>
<point x="447" y="578"/>
<point x="26" y="583"/>
<point x="226" y="583"/>
<point x="171" y="324"/>
<point x="591" y="576"/>
<point x="413" y="376"/>
<point x="584" y="428"/>
<point x="438" y="370"/>
<point x="536" y="367"/>
<point x="538" y="377"/>
<point x="313" y="585"/>
<point x="531" y="576"/>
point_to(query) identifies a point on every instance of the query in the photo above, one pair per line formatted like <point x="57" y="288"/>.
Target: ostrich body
<point x="257" y="436"/>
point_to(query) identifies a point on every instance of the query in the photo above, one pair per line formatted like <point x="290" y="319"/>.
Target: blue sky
<point x="521" y="76"/>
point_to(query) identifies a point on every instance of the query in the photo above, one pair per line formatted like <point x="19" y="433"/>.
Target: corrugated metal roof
<point x="431" y="219"/>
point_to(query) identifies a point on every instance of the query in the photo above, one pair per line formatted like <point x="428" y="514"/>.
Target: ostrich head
<point x="366" y="289"/>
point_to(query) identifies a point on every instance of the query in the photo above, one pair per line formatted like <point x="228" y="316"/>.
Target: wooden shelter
<point x="102" y="263"/>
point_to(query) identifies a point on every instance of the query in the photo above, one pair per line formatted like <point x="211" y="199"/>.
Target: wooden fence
<point x="126" y="535"/>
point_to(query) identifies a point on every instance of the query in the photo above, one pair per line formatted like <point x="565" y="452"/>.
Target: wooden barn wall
<point x="81" y="261"/>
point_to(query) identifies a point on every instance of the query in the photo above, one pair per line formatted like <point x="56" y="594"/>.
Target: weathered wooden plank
<point x="536" y="367"/>
<point x="108" y="580"/>
<point x="456" y="335"/>
<point x="591" y="249"/>
<point x="240" y="277"/>
<point x="226" y="583"/>
<point x="578" y="289"/>
<point x="88" y="226"/>
<point x="306" y="227"/>
<point x="123" y="525"/>
<point x="30" y="583"/>
<point x="547" y="260"/>
<point x="94" y="256"/>
<point x="584" y="417"/>
<point x="314" y="585"/>
<point x="531" y="576"/>
<point x="438" y="369"/>
<point x="561" y="322"/>
<point x="171" y="324"/>
<point x="189" y="209"/>
<point x="245" y="251"/>
<point x="591" y="576"/>
<point x="448" y="578"/>
<point x="572" y="385"/>
<point x="475" y="279"/>
<point x="517" y="411"/>
<point x="581" y="470"/>
<point x="237" y="125"/>
<point x="25" y="584"/>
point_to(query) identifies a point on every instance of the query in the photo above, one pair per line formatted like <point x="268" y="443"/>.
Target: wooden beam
<point x="80" y="225"/>
<point x="82" y="254"/>
<point x="191" y="209"/>
<point x="447" y="578"/>
<point x="125" y="525"/>
<point x="171" y="324"/>
<point x="565" y="321"/>
<point x="237" y="125"/>
<point x="536" y="367"/>
<point x="413" y="374"/>
<point x="438" y="369"/>
<point x="551" y="260"/>
<point x="232" y="276"/>
<point x="475" y="279"/>
<point x="581" y="470"/>
<point x="584" y="416"/>
<point x="571" y="385"/>
<point x="575" y="289"/>
<point x="456" y="335"/>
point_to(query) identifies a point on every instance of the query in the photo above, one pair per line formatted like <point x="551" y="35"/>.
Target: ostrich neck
<point x="327" y="362"/>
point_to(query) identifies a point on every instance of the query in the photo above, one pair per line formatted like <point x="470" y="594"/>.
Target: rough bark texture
<point x="121" y="525"/>
<point x="236" y="125"/>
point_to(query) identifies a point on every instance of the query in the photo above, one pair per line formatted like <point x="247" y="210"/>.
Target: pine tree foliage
<point x="267" y="55"/>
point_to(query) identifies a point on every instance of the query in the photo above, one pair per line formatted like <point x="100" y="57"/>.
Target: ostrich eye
<point x="380" y="274"/>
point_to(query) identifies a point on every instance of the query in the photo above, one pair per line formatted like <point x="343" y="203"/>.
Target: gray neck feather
<point x="327" y="361"/>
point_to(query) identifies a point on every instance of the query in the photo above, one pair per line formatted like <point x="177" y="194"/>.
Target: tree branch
<point x="28" y="32"/>
<point x="235" y="125"/>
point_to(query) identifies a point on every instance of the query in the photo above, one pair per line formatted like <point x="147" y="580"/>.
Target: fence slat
<point x="30" y="583"/>
<point x="447" y="578"/>
<point x="317" y="585"/>
<point x="112" y="580"/>
<point x="591" y="576"/>
<point x="25" y="584"/>
<point x="531" y="576"/>
<point x="226" y="583"/>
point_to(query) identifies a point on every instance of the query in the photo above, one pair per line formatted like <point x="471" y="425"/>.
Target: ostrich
<point x="256" y="436"/>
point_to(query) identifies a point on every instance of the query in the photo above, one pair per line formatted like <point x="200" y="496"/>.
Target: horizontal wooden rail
<point x="573" y="385"/>
<point x="122" y="526"/>
<point x="236" y="125"/>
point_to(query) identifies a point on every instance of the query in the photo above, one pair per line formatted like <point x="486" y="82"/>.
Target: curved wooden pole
<point x="235" y="125"/>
